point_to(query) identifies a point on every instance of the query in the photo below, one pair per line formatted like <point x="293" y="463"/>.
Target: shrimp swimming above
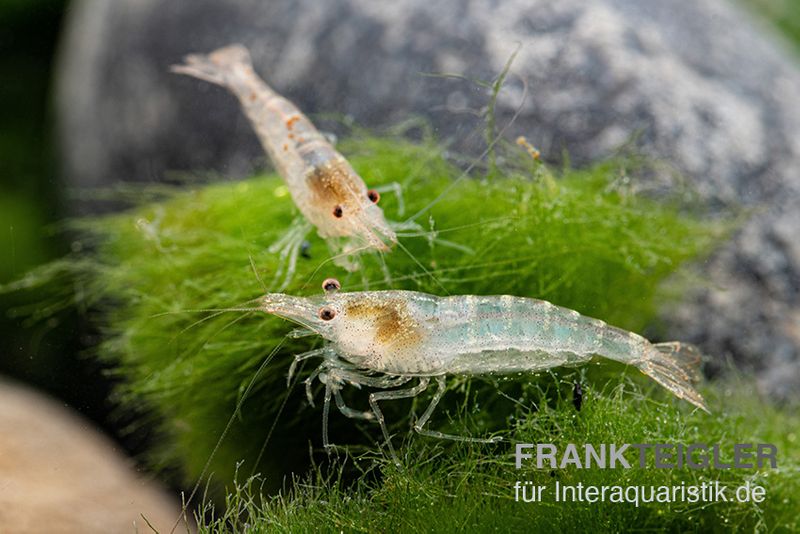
<point x="384" y="339"/>
<point x="330" y="195"/>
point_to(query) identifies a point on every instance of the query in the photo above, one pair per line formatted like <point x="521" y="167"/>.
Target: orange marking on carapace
<point x="392" y="320"/>
<point x="335" y="182"/>
<point x="291" y="121"/>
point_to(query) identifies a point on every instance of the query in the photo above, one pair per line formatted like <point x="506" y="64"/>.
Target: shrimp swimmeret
<point x="325" y="188"/>
<point x="383" y="339"/>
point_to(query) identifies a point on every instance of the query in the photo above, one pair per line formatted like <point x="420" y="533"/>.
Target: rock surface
<point x="695" y="83"/>
<point x="58" y="474"/>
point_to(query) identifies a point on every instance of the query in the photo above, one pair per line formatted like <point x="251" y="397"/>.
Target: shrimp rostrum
<point x="330" y="195"/>
<point x="386" y="339"/>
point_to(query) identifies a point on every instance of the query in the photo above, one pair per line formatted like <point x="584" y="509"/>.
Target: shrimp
<point x="384" y="339"/>
<point x="328" y="192"/>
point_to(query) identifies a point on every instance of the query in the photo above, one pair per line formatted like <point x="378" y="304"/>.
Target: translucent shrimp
<point x="325" y="188"/>
<point x="384" y="339"/>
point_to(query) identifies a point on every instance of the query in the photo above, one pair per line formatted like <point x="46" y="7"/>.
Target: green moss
<point x="471" y="488"/>
<point x="583" y="239"/>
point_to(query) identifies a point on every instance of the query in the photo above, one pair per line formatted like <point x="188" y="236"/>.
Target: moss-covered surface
<point x="583" y="239"/>
<point x="465" y="488"/>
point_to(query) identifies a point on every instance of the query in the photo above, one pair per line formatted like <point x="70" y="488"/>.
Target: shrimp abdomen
<point x="294" y="145"/>
<point x="512" y="334"/>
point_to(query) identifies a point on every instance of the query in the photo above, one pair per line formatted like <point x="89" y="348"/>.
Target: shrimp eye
<point x="331" y="285"/>
<point x="373" y="196"/>
<point x="326" y="314"/>
<point x="338" y="212"/>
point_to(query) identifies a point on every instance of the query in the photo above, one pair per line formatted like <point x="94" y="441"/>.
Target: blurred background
<point x="32" y="200"/>
<point x="40" y="171"/>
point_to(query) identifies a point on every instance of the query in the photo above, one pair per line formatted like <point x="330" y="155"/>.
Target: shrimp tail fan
<point x="229" y="67"/>
<point x="676" y="366"/>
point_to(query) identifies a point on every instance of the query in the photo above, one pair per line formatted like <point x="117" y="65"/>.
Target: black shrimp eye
<point x="338" y="212"/>
<point x="373" y="196"/>
<point x="326" y="314"/>
<point x="331" y="285"/>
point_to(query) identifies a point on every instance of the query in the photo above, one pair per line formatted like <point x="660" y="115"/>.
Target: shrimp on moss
<point x="328" y="192"/>
<point x="385" y="339"/>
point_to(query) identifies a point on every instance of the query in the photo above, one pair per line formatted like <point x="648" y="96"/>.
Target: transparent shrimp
<point x="330" y="195"/>
<point x="383" y="339"/>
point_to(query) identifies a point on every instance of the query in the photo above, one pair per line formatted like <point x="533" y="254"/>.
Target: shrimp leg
<point x="289" y="248"/>
<point x="332" y="386"/>
<point x="393" y="395"/>
<point x="310" y="381"/>
<point x="333" y="379"/>
<point x="298" y="333"/>
<point x="349" y="412"/>
<point x="419" y="426"/>
<point x="326" y="408"/>
<point x="343" y="409"/>
<point x="323" y="352"/>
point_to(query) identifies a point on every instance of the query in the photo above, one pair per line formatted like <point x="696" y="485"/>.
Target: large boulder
<point x="693" y="82"/>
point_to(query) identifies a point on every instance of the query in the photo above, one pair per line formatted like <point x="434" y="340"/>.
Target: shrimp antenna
<point x="217" y="313"/>
<point x="420" y="232"/>
<point x="206" y="310"/>
<point x="258" y="277"/>
<point x="235" y="307"/>
<point x="424" y="269"/>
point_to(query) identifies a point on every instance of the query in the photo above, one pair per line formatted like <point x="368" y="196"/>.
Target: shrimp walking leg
<point x="333" y="381"/>
<point x="393" y="395"/>
<point x="298" y="333"/>
<point x="318" y="353"/>
<point x="288" y="248"/>
<point x="350" y="412"/>
<point x="419" y="426"/>
<point x="342" y="253"/>
<point x="326" y="408"/>
<point x="336" y="373"/>
<point x="309" y="382"/>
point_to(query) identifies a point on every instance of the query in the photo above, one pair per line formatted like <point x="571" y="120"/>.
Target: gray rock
<point x="696" y="83"/>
